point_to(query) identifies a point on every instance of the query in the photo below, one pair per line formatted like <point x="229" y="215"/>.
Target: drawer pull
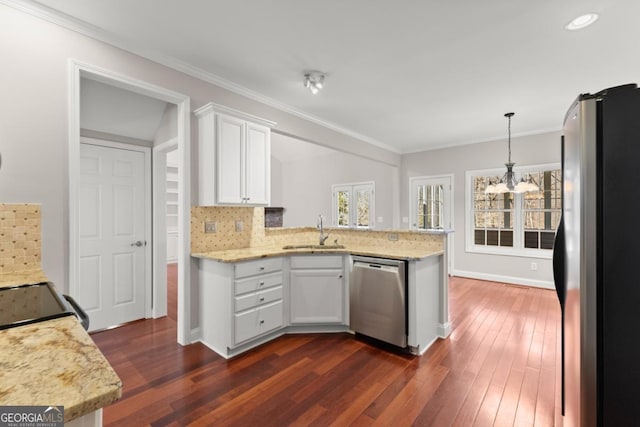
<point x="261" y="268"/>
<point x="261" y="299"/>
<point x="261" y="283"/>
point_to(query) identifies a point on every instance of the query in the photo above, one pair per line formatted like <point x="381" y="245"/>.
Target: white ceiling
<point x="410" y="74"/>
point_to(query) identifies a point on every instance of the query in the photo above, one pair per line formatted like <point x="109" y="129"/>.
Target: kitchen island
<point x="54" y="363"/>
<point x="51" y="362"/>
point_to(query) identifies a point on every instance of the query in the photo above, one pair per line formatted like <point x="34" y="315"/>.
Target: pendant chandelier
<point x="509" y="183"/>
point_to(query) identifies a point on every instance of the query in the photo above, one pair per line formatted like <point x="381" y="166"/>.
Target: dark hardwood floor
<point x="500" y="366"/>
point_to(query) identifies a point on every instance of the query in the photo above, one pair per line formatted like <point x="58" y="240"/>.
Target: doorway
<point x="80" y="71"/>
<point x="431" y="206"/>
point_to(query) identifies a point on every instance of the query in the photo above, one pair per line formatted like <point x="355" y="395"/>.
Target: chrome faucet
<point x="323" y="237"/>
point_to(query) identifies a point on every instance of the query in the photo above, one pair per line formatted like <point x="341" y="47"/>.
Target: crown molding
<point x="415" y="149"/>
<point x="69" y="22"/>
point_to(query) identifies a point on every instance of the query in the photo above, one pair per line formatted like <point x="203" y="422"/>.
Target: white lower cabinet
<point x="245" y="304"/>
<point x="257" y="321"/>
<point x="240" y="303"/>
<point x="317" y="289"/>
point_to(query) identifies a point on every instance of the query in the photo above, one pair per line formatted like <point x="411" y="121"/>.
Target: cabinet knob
<point x="261" y="299"/>
<point x="262" y="322"/>
<point x="261" y="283"/>
<point x="261" y="268"/>
<point x="340" y="276"/>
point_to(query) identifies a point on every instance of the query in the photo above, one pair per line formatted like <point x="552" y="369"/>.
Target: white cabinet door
<point x="317" y="296"/>
<point x="230" y="137"/>
<point x="234" y="157"/>
<point x="257" y="165"/>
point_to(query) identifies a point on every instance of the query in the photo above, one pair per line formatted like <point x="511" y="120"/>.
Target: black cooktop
<point x="25" y="304"/>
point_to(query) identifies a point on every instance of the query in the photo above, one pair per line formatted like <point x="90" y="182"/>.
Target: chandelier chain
<point x="509" y="115"/>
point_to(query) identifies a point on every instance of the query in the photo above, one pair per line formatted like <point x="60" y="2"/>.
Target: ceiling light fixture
<point x="314" y="81"/>
<point x="582" y="21"/>
<point x="509" y="183"/>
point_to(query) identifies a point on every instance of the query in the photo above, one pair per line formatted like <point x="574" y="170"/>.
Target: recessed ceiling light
<point x="582" y="21"/>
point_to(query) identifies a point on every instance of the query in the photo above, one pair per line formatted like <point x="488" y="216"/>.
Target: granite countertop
<point x="54" y="362"/>
<point x="245" y="254"/>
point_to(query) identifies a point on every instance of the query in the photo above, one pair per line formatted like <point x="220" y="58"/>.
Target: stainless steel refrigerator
<point x="597" y="259"/>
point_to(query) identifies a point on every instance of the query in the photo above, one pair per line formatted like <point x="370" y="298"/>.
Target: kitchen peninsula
<point x="257" y="284"/>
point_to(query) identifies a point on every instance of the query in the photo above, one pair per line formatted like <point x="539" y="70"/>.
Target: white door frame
<point x="160" y="225"/>
<point x="412" y="213"/>
<point x="79" y="69"/>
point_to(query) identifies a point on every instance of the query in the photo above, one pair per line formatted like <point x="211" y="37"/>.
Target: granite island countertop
<point x="246" y="254"/>
<point x="54" y="362"/>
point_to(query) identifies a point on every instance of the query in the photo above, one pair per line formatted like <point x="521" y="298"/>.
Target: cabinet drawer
<point x="316" y="261"/>
<point x="257" y="283"/>
<point x="258" y="298"/>
<point x="258" y="321"/>
<point x="251" y="268"/>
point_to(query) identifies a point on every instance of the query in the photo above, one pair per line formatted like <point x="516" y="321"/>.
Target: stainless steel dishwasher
<point x="378" y="299"/>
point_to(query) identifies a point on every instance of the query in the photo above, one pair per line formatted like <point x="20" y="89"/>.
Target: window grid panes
<point x="362" y="204"/>
<point x="343" y="208"/>
<point x="493" y="214"/>
<point x="542" y="209"/>
<point x="522" y="221"/>
<point x="353" y="205"/>
<point x="430" y="206"/>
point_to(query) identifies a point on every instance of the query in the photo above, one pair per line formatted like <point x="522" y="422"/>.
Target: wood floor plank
<point x="500" y="366"/>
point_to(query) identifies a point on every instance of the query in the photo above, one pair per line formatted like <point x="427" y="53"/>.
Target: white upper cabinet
<point x="234" y="157"/>
<point x="230" y="138"/>
<point x="258" y="164"/>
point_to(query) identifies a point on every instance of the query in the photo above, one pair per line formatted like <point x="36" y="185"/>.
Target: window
<point x="511" y="223"/>
<point x="353" y="205"/>
<point x="430" y="202"/>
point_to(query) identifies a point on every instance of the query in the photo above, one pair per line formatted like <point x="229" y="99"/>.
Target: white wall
<point x="302" y="183"/>
<point x="276" y="183"/>
<point x="529" y="150"/>
<point x="168" y="128"/>
<point x="34" y="110"/>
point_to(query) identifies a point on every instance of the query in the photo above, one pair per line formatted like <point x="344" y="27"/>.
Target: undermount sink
<point x="313" y="247"/>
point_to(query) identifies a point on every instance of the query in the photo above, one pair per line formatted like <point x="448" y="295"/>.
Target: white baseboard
<point x="443" y="329"/>
<point x="544" y="284"/>
<point x="196" y="335"/>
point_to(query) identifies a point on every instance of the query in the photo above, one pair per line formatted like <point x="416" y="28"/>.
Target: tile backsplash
<point x="226" y="235"/>
<point x="20" y="241"/>
<point x="254" y="234"/>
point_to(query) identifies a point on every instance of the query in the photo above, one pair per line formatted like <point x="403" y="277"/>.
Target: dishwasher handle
<point x="361" y="264"/>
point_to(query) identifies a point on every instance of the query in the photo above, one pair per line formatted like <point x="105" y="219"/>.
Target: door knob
<point x="139" y="243"/>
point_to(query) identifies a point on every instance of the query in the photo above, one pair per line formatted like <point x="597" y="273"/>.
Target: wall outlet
<point x="392" y="237"/>
<point x="239" y="226"/>
<point x="210" y="226"/>
<point x="534" y="266"/>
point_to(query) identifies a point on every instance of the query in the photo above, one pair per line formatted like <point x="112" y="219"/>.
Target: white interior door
<point x="112" y="231"/>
